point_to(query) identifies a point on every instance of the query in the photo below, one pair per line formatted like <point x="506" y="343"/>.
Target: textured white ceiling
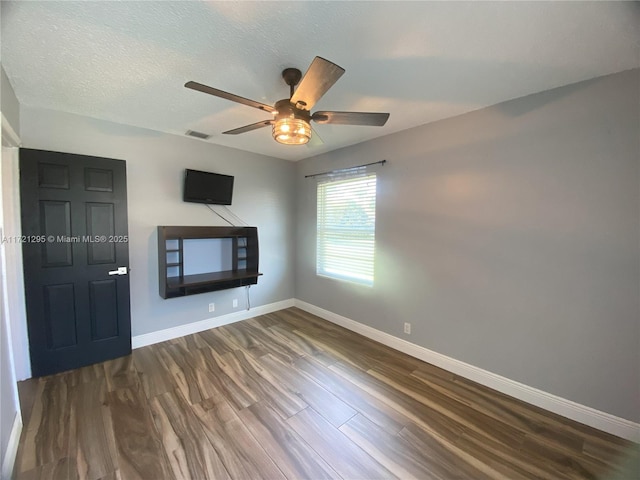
<point x="127" y="61"/>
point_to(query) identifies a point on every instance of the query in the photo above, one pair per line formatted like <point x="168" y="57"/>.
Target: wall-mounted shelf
<point x="194" y="260"/>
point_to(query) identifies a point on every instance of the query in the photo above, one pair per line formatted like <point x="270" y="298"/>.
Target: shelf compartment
<point x="207" y="278"/>
<point x="172" y="244"/>
<point x="174" y="257"/>
<point x="174" y="272"/>
<point x="177" y="275"/>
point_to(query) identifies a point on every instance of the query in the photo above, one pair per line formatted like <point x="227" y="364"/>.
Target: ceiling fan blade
<point x="319" y="78"/>
<point x="351" y="118"/>
<point x="248" y="128"/>
<point x="228" y="96"/>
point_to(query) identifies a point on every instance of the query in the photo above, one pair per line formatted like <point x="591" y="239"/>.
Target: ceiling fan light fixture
<point x="291" y="122"/>
<point x="291" y="131"/>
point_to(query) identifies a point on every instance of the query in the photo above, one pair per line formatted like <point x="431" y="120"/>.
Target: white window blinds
<point x="346" y="224"/>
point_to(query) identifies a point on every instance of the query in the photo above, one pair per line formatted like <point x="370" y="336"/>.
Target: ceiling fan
<point x="292" y="116"/>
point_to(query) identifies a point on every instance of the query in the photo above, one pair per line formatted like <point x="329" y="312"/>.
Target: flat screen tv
<point x="207" y="187"/>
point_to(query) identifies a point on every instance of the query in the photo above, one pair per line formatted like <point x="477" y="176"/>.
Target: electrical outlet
<point x="212" y="307"/>
<point x="407" y="328"/>
<point x="235" y="302"/>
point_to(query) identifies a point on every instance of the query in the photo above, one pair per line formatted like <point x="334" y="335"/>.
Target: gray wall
<point x="263" y="197"/>
<point x="509" y="238"/>
<point x="10" y="105"/>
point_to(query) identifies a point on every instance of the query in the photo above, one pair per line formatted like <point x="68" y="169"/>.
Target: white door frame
<point x="13" y="276"/>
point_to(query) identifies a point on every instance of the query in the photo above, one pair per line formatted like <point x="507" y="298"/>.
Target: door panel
<point x="55" y="221"/>
<point x="103" y="296"/>
<point x="100" y="223"/>
<point x="60" y="315"/>
<point x="77" y="314"/>
<point x="53" y="176"/>
<point x="98" y="180"/>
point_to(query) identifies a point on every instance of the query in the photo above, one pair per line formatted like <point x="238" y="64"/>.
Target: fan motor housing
<point x="287" y="109"/>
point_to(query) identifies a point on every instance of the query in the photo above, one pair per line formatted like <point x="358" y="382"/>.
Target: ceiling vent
<point x="200" y="135"/>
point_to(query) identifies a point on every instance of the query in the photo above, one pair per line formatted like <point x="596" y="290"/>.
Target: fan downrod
<point x="291" y="77"/>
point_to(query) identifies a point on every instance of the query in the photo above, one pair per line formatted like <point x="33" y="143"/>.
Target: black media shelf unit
<point x="173" y="282"/>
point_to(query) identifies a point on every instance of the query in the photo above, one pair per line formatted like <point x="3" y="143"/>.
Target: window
<point x="346" y="228"/>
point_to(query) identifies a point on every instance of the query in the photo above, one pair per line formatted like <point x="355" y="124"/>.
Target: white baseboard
<point x="12" y="448"/>
<point x="581" y="413"/>
<point x="195" y="327"/>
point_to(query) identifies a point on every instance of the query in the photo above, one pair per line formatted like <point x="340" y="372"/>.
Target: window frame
<point x="353" y="196"/>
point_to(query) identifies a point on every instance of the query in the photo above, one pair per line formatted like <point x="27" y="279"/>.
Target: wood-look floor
<point x="290" y="396"/>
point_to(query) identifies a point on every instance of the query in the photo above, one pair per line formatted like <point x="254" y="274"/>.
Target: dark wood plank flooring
<point x="291" y="396"/>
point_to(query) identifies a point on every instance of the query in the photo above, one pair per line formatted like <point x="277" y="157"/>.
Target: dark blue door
<point x="76" y="259"/>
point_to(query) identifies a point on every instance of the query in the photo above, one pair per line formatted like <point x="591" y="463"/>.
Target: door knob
<point x="119" y="271"/>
